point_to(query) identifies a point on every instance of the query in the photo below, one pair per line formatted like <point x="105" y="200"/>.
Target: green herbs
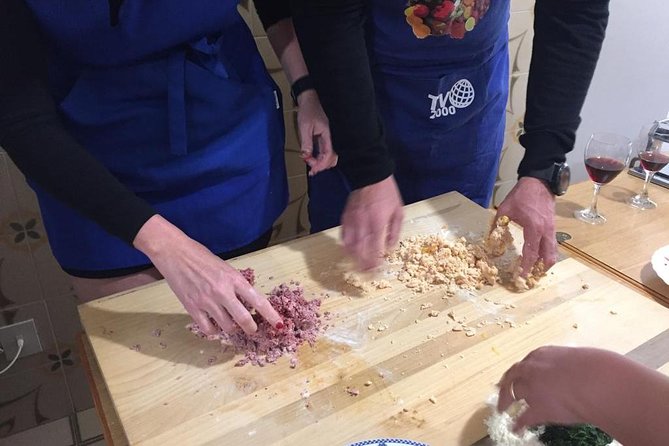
<point x="577" y="435"/>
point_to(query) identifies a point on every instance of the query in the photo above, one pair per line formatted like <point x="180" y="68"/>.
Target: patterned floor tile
<point x="56" y="433"/>
<point x="32" y="398"/>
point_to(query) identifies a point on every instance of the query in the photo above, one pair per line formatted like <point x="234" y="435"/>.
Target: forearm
<point x="284" y="41"/>
<point x="332" y="37"/>
<point x="567" y="42"/>
<point x="276" y="19"/>
<point x="158" y="236"/>
<point x="35" y="139"/>
<point x="628" y="401"/>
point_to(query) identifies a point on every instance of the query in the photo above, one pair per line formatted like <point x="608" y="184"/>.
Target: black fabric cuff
<point x="130" y="215"/>
<point x="367" y="170"/>
<point x="271" y="12"/>
<point x="543" y="149"/>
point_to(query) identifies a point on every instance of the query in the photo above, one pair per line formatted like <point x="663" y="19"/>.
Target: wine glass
<point x="606" y="155"/>
<point x="653" y="154"/>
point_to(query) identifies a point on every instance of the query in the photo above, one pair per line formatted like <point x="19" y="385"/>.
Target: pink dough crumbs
<point x="353" y="391"/>
<point x="136" y="347"/>
<point x="249" y="275"/>
<point x="302" y="323"/>
<point x="157" y="332"/>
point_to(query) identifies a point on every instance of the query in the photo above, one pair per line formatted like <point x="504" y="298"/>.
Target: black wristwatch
<point x="300" y="86"/>
<point x="557" y="176"/>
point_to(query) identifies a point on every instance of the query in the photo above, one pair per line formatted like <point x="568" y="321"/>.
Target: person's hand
<point x="371" y="222"/>
<point x="555" y="382"/>
<point x="531" y="204"/>
<point x="206" y="285"/>
<point x="563" y="385"/>
<point x="312" y="125"/>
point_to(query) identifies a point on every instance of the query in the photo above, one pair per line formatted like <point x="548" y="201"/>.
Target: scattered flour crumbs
<point x="301" y="318"/>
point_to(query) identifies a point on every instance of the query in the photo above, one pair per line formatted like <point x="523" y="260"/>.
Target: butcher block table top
<point x="625" y="244"/>
<point x="425" y="382"/>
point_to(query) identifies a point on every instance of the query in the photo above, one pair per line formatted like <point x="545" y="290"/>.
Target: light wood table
<point x="625" y="243"/>
<point x="164" y="396"/>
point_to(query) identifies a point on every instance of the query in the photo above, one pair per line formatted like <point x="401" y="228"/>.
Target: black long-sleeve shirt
<point x="35" y="139"/>
<point x="567" y="41"/>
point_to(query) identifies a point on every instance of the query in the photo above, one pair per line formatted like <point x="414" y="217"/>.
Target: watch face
<point x="563" y="177"/>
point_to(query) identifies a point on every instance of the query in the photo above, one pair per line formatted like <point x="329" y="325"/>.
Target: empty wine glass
<point x="653" y="153"/>
<point x="606" y="155"/>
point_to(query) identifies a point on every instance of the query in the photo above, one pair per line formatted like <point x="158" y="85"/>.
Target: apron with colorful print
<point x="440" y="71"/>
<point x="175" y="101"/>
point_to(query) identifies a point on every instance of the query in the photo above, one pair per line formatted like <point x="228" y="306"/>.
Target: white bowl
<point x="660" y="262"/>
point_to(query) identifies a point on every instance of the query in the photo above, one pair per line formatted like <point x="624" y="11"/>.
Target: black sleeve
<point x="567" y="41"/>
<point x="272" y="11"/>
<point x="34" y="138"/>
<point x="332" y="38"/>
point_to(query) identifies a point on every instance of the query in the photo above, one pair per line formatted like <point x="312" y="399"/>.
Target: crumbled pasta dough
<point x="432" y="260"/>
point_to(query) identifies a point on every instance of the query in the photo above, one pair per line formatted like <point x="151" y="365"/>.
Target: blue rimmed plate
<point x="388" y="442"/>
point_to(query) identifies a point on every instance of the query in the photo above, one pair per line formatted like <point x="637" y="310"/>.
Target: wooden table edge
<point x="609" y="271"/>
<point x="87" y="356"/>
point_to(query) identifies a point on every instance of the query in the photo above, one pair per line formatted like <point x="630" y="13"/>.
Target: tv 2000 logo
<point x="461" y="95"/>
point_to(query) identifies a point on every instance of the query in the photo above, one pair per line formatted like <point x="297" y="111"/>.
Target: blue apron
<point x="441" y="77"/>
<point x="175" y="101"/>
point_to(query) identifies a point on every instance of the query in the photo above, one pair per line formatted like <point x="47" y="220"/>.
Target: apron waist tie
<point x="206" y="52"/>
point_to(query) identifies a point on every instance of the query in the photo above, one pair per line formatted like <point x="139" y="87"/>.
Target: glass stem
<point x="644" y="191"/>
<point x="593" y="204"/>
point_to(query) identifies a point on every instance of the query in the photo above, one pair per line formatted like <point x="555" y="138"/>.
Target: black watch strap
<point x="556" y="176"/>
<point x="542" y="174"/>
<point x="300" y="86"/>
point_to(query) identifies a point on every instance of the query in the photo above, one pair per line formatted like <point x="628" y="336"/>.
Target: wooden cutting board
<point x="172" y="395"/>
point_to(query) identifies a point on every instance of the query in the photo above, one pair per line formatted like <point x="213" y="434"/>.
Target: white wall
<point x="631" y="84"/>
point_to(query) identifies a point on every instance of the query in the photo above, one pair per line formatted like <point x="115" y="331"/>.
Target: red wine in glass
<point x="653" y="161"/>
<point x="603" y="170"/>
<point x="605" y="157"/>
<point x="654" y="155"/>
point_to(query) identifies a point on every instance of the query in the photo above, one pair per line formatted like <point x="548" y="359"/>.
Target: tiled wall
<point x="294" y="221"/>
<point x="520" y="52"/>
<point x="51" y="385"/>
